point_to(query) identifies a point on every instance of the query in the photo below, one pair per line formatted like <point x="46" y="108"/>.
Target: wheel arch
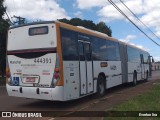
<point x="102" y="74"/>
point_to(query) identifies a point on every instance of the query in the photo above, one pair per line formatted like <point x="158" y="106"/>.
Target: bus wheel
<point x="101" y="86"/>
<point x="134" y="79"/>
<point x="147" y="74"/>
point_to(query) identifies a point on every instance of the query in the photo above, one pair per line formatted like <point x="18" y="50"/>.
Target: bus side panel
<point x="134" y="66"/>
<point x="71" y="80"/>
<point x="113" y="72"/>
<point x="23" y="40"/>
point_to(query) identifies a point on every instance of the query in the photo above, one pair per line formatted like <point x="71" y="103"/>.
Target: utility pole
<point x="20" y="20"/>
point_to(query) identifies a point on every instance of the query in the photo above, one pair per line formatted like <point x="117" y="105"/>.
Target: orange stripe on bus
<point x="59" y="51"/>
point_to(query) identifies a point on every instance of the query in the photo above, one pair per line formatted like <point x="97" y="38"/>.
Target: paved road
<point x="113" y="97"/>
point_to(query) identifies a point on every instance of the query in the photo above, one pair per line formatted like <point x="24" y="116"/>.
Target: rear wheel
<point x="101" y="86"/>
<point x="134" y="79"/>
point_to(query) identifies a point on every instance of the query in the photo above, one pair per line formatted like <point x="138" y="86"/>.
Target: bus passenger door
<point x="142" y="67"/>
<point x="85" y="63"/>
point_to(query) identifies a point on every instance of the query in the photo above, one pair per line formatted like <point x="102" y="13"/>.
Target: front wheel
<point x="101" y="86"/>
<point x="147" y="75"/>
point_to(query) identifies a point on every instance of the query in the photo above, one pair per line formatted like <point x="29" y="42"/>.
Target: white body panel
<point x="112" y="71"/>
<point x="30" y="92"/>
<point x="141" y="70"/>
<point x="89" y="77"/>
<point x="83" y="75"/>
<point x="71" y="80"/>
<point x="19" y="38"/>
<point x="134" y="66"/>
<point x="25" y="68"/>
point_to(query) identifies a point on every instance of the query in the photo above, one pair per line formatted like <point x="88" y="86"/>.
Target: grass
<point x="149" y="101"/>
<point x="2" y="81"/>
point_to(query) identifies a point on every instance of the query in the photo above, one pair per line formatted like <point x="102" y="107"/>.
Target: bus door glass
<point x="86" y="74"/>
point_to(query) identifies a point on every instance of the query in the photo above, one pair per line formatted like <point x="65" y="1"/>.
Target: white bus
<point x="60" y="62"/>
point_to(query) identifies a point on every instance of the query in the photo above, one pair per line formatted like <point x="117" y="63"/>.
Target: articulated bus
<point x="60" y="62"/>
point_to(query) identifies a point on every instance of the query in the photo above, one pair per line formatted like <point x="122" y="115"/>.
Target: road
<point x="113" y="97"/>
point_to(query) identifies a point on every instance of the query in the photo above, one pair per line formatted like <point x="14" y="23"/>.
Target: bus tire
<point x="147" y="75"/>
<point x="134" y="83"/>
<point x="101" y="86"/>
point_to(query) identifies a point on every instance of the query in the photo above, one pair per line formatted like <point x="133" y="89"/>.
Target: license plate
<point x="30" y="79"/>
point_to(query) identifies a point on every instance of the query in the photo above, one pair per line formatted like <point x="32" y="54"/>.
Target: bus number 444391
<point x="42" y="60"/>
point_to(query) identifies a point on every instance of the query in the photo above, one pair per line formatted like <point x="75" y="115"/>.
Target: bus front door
<point x="86" y="68"/>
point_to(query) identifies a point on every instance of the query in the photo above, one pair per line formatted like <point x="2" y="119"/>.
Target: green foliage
<point x="3" y="32"/>
<point x="149" y="101"/>
<point x="2" y="9"/>
<point x="3" y="26"/>
<point x="76" y="22"/>
<point x="64" y="20"/>
<point x="146" y="102"/>
<point x="3" y="23"/>
<point x="101" y="26"/>
<point x="89" y="24"/>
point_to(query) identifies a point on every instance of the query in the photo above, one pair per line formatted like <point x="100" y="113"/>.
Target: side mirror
<point x="152" y="60"/>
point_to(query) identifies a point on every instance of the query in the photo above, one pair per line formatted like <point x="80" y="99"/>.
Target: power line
<point x="20" y="20"/>
<point x="8" y="18"/>
<point x="132" y="21"/>
<point x="139" y="19"/>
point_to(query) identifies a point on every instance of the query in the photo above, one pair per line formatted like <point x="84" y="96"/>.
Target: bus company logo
<point x="6" y="114"/>
<point x="113" y="67"/>
<point x="15" y="62"/>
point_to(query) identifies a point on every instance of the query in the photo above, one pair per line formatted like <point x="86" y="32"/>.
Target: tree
<point x="3" y="32"/>
<point x="64" y="20"/>
<point x="101" y="26"/>
<point x="3" y="23"/>
<point x="76" y="22"/>
<point x="89" y="24"/>
<point x="2" y="9"/>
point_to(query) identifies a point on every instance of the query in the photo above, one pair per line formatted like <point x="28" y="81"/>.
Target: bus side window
<point x="81" y="52"/>
<point x="133" y="54"/>
<point x="112" y="51"/>
<point x="88" y="52"/>
<point x="69" y="45"/>
<point x="99" y="49"/>
<point x="142" y="58"/>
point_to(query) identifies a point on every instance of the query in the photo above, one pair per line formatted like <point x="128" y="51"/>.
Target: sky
<point x="99" y="10"/>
